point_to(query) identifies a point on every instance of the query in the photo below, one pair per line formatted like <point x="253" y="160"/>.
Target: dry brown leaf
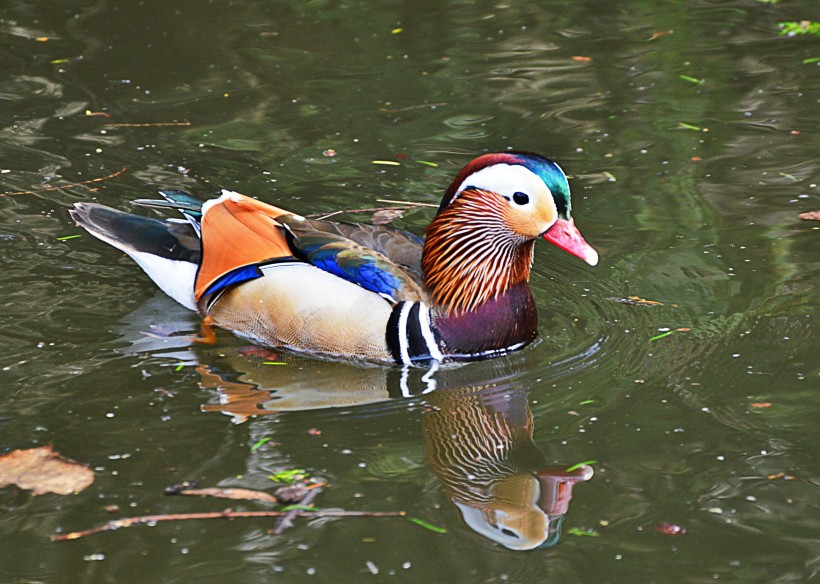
<point x="230" y="493"/>
<point x="636" y="301"/>
<point x="810" y="216"/>
<point x="41" y="470"/>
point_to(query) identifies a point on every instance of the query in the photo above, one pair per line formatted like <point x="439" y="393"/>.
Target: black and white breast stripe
<point x="410" y="336"/>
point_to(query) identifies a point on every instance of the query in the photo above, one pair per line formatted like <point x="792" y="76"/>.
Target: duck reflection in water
<point x="478" y="437"/>
<point x="480" y="446"/>
<point x="479" y="442"/>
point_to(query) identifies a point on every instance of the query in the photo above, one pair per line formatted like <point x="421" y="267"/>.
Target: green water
<point x="689" y="190"/>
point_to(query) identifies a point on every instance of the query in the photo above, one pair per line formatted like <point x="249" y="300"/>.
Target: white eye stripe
<point x="506" y="180"/>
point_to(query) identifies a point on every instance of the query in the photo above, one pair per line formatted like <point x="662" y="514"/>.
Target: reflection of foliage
<point x="794" y="28"/>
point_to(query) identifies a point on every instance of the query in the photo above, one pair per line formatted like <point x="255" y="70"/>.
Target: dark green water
<point x="702" y="217"/>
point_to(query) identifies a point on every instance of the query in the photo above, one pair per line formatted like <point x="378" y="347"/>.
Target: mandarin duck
<point x="359" y="291"/>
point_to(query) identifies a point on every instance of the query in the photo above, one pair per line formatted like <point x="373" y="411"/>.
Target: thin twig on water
<point x="225" y="514"/>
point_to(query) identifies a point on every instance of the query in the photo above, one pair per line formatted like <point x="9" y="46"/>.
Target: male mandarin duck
<point x="359" y="291"/>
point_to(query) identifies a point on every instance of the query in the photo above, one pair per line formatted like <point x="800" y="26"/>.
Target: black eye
<point x="521" y="198"/>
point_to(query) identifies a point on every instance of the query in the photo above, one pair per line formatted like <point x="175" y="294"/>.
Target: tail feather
<point x="168" y="251"/>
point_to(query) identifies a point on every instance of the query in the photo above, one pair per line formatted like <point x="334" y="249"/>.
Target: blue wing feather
<point x="355" y="263"/>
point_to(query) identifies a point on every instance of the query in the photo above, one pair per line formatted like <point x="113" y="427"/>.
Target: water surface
<point x="690" y="131"/>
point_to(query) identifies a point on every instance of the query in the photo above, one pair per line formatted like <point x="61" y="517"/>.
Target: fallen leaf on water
<point x="582" y="532"/>
<point x="691" y="79"/>
<point x="667" y="332"/>
<point x="260" y="443"/>
<point x="229" y="493"/>
<point x="761" y="405"/>
<point x="780" y="475"/>
<point x="289" y="476"/>
<point x="636" y="301"/>
<point x="810" y="216"/>
<point x="41" y="470"/>
<point x="426" y="525"/>
<point x="581" y="58"/>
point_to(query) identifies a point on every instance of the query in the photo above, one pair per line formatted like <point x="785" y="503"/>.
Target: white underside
<point x="174" y="277"/>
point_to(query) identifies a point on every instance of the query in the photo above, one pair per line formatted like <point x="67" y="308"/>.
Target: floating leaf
<point x="229" y="493"/>
<point x="582" y="532"/>
<point x="300" y="508"/>
<point x="289" y="476"/>
<point x="761" y="405"/>
<point x="433" y="164"/>
<point x="274" y="363"/>
<point x="781" y="475"/>
<point x="660" y="336"/>
<point x="682" y="329"/>
<point x="260" y="443"/>
<point x="636" y="301"/>
<point x="658" y="34"/>
<point x="426" y="525"/>
<point x="575" y="467"/>
<point x="685" y="126"/>
<point x="694" y="80"/>
<point x="67" y="237"/>
<point x="41" y="470"/>
<point x="811" y="60"/>
<point x="586" y="401"/>
<point x="387" y="162"/>
<point x="797" y="28"/>
<point x="810" y="216"/>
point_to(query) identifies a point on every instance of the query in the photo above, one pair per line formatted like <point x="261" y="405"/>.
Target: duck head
<point x="481" y="242"/>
